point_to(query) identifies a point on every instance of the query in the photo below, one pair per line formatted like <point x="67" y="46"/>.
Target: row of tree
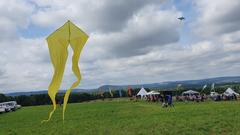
<point x="43" y="99"/>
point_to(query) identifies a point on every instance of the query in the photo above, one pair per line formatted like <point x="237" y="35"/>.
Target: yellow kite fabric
<point x="58" y="43"/>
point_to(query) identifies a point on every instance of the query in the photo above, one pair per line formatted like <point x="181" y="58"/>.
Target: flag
<point x="58" y="42"/>
<point x="204" y="87"/>
<point x="129" y="91"/>
<point x="110" y="92"/>
<point x="101" y="93"/>
<point x="178" y="86"/>
<point x="212" y="88"/>
<point x="120" y="93"/>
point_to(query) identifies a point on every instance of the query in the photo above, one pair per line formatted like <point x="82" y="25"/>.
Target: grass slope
<point x="121" y="117"/>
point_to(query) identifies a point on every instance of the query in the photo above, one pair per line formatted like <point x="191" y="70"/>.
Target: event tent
<point x="153" y="93"/>
<point x="142" y="92"/>
<point x="190" y="92"/>
<point x="230" y="92"/>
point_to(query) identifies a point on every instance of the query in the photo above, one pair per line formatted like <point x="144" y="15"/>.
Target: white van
<point x="2" y="109"/>
<point x="9" y="106"/>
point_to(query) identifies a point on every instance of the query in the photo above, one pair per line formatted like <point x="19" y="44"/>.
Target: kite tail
<point x="54" y="86"/>
<point x="75" y="84"/>
<point x="76" y="71"/>
<point x="54" y="108"/>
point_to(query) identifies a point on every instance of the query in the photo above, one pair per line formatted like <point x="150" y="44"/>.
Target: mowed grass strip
<point x="123" y="117"/>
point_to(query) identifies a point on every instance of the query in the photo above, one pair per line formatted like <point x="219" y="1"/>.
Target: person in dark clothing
<point x="170" y="101"/>
<point x="160" y="98"/>
<point x="234" y="97"/>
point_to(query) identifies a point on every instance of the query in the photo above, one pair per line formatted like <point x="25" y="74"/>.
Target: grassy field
<point x="121" y="117"/>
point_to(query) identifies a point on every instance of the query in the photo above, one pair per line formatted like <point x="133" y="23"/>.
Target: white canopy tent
<point x="142" y="93"/>
<point x="190" y="92"/>
<point x="153" y="93"/>
<point x="230" y="92"/>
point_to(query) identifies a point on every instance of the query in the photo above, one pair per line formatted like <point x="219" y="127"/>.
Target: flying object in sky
<point x="181" y="18"/>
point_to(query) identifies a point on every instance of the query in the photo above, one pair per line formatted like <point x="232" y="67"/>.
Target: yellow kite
<point x="58" y="43"/>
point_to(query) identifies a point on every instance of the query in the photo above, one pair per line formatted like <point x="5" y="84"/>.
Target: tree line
<point x="44" y="99"/>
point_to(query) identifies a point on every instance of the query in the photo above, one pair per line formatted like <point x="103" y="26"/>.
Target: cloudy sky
<point x="131" y="41"/>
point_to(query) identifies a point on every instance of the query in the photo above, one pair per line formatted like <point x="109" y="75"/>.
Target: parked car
<point x="9" y="106"/>
<point x="5" y="107"/>
<point x="2" y="110"/>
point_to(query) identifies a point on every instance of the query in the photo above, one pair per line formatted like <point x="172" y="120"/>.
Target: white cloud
<point x="13" y="14"/>
<point x="92" y="15"/>
<point x="217" y="17"/>
<point x="148" y="28"/>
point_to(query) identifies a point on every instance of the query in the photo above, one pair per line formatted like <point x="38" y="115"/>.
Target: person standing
<point x="170" y="101"/>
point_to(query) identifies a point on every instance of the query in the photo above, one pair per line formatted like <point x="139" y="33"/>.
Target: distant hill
<point x="45" y="92"/>
<point x="161" y="85"/>
<point x="173" y="84"/>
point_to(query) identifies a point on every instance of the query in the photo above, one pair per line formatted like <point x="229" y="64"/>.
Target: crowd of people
<point x="224" y="97"/>
<point x="198" y="98"/>
<point x="195" y="97"/>
<point x="166" y="98"/>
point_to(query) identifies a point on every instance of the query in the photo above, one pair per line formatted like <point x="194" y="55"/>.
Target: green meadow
<point x="123" y="117"/>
